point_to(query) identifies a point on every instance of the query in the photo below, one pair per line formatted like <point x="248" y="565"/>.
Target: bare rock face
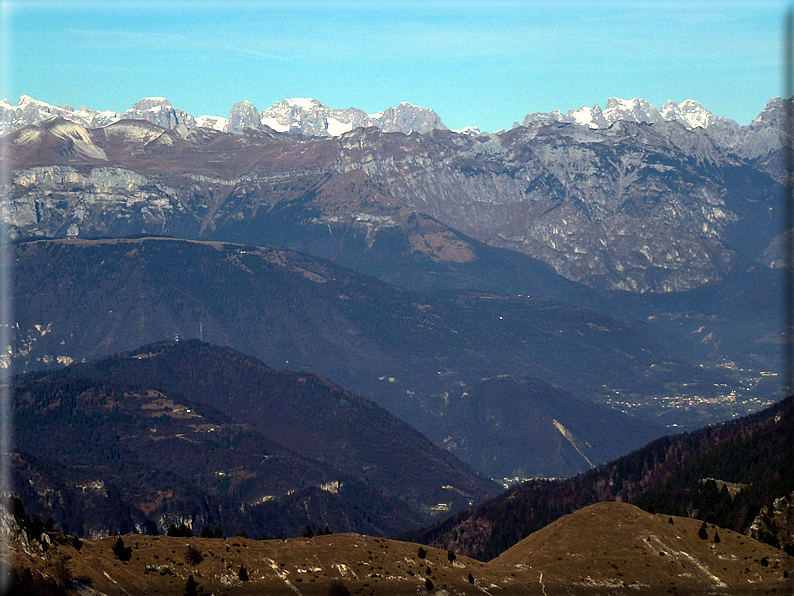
<point x="159" y="111"/>
<point x="408" y="118"/>
<point x="243" y="114"/>
<point x="761" y="142"/>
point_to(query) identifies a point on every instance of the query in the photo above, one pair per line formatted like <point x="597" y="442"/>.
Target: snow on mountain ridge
<point x="308" y="116"/>
<point x="689" y="113"/>
<point x="588" y="116"/>
<point x="633" y="110"/>
<point x="297" y="115"/>
<point x="214" y="122"/>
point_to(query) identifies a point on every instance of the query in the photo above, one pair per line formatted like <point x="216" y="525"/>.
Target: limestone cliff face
<point x="624" y="208"/>
<point x="640" y="207"/>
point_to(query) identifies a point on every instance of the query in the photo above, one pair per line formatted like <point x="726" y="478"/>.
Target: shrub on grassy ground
<point x="193" y="555"/>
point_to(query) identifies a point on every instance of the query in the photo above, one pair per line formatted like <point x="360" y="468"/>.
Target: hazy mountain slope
<point x="411" y="353"/>
<point x="419" y="253"/>
<point x="735" y="322"/>
<point x="162" y="459"/>
<point x="307" y="414"/>
<point x="763" y="439"/>
<point x="506" y="427"/>
<point x="524" y="428"/>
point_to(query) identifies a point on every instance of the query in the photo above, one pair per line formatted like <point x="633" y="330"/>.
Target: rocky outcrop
<point x="408" y="118"/>
<point x="159" y="111"/>
<point x="243" y="114"/>
<point x="775" y="524"/>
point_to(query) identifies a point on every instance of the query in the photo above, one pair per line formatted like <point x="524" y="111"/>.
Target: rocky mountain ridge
<point x="309" y="116"/>
<point x="295" y="116"/>
<point x="690" y="113"/>
<point x="759" y="138"/>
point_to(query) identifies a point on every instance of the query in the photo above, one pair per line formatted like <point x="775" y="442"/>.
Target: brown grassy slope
<point x="364" y="564"/>
<point x="603" y="549"/>
<point x="616" y="544"/>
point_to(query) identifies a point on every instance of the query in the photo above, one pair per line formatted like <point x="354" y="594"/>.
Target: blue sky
<point x="479" y="63"/>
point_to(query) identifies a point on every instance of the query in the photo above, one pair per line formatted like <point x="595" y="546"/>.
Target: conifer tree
<point x="703" y="533"/>
<point x="191" y="587"/>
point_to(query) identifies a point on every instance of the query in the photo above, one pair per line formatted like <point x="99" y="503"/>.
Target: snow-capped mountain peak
<point x="689" y="113"/>
<point x="588" y="116"/>
<point x="632" y="110"/>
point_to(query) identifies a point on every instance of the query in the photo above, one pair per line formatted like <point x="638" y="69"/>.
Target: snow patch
<point x="304" y="103"/>
<point x="274" y="124"/>
<point x="584" y="116"/>
<point x="336" y="128"/>
<point x="213" y="122"/>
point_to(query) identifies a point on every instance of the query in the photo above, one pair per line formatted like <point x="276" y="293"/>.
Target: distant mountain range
<point x="536" y="302"/>
<point x="656" y="210"/>
<point x="657" y="201"/>
<point x="295" y="116"/>
<point x="309" y="116"/>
